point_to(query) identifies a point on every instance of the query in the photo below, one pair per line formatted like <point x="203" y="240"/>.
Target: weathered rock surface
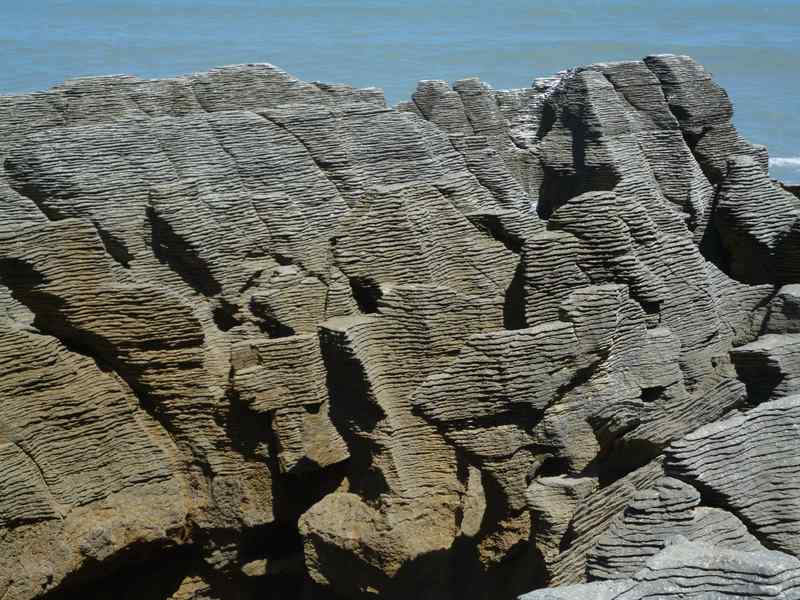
<point x="695" y="570"/>
<point x="654" y="516"/>
<point x="266" y="338"/>
<point x="748" y="464"/>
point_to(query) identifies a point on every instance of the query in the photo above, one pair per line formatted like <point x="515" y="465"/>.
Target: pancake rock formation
<point x="264" y="338"/>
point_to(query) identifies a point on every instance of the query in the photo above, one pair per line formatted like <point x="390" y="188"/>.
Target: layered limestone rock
<point x="756" y="452"/>
<point x="652" y="518"/>
<point x="271" y="338"/>
<point x="695" y="570"/>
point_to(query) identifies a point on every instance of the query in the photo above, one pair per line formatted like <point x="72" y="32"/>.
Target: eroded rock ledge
<point x="263" y="338"/>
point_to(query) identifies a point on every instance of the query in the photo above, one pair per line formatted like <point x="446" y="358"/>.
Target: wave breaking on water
<point x="791" y="162"/>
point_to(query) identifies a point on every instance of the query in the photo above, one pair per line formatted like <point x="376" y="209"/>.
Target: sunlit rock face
<point x="264" y="338"/>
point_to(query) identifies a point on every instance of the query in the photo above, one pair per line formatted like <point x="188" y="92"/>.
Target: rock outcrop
<point x="266" y="338"/>
<point x="695" y="570"/>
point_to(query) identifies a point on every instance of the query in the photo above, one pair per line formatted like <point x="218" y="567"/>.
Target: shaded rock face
<point x="264" y="338"/>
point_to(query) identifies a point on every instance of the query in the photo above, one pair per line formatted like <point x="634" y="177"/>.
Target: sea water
<point x="751" y="46"/>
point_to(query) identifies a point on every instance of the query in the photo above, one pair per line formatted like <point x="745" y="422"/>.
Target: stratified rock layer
<point x="695" y="570"/>
<point x="269" y="338"/>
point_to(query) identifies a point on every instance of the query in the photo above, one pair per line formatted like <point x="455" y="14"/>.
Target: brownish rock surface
<point x="264" y="338"/>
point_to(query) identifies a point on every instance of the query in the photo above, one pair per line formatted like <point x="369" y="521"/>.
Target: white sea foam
<point x="791" y="162"/>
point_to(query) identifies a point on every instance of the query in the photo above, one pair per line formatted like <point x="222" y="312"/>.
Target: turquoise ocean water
<point x="751" y="46"/>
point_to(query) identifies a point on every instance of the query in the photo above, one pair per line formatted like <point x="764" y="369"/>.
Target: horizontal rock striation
<point x="695" y="570"/>
<point x="265" y="338"/>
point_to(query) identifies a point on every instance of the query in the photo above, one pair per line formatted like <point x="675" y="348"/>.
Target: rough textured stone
<point x="758" y="224"/>
<point x="747" y="464"/>
<point x="695" y="569"/>
<point x="770" y="366"/>
<point x="784" y="311"/>
<point x="266" y="338"/>
<point x="652" y="518"/>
